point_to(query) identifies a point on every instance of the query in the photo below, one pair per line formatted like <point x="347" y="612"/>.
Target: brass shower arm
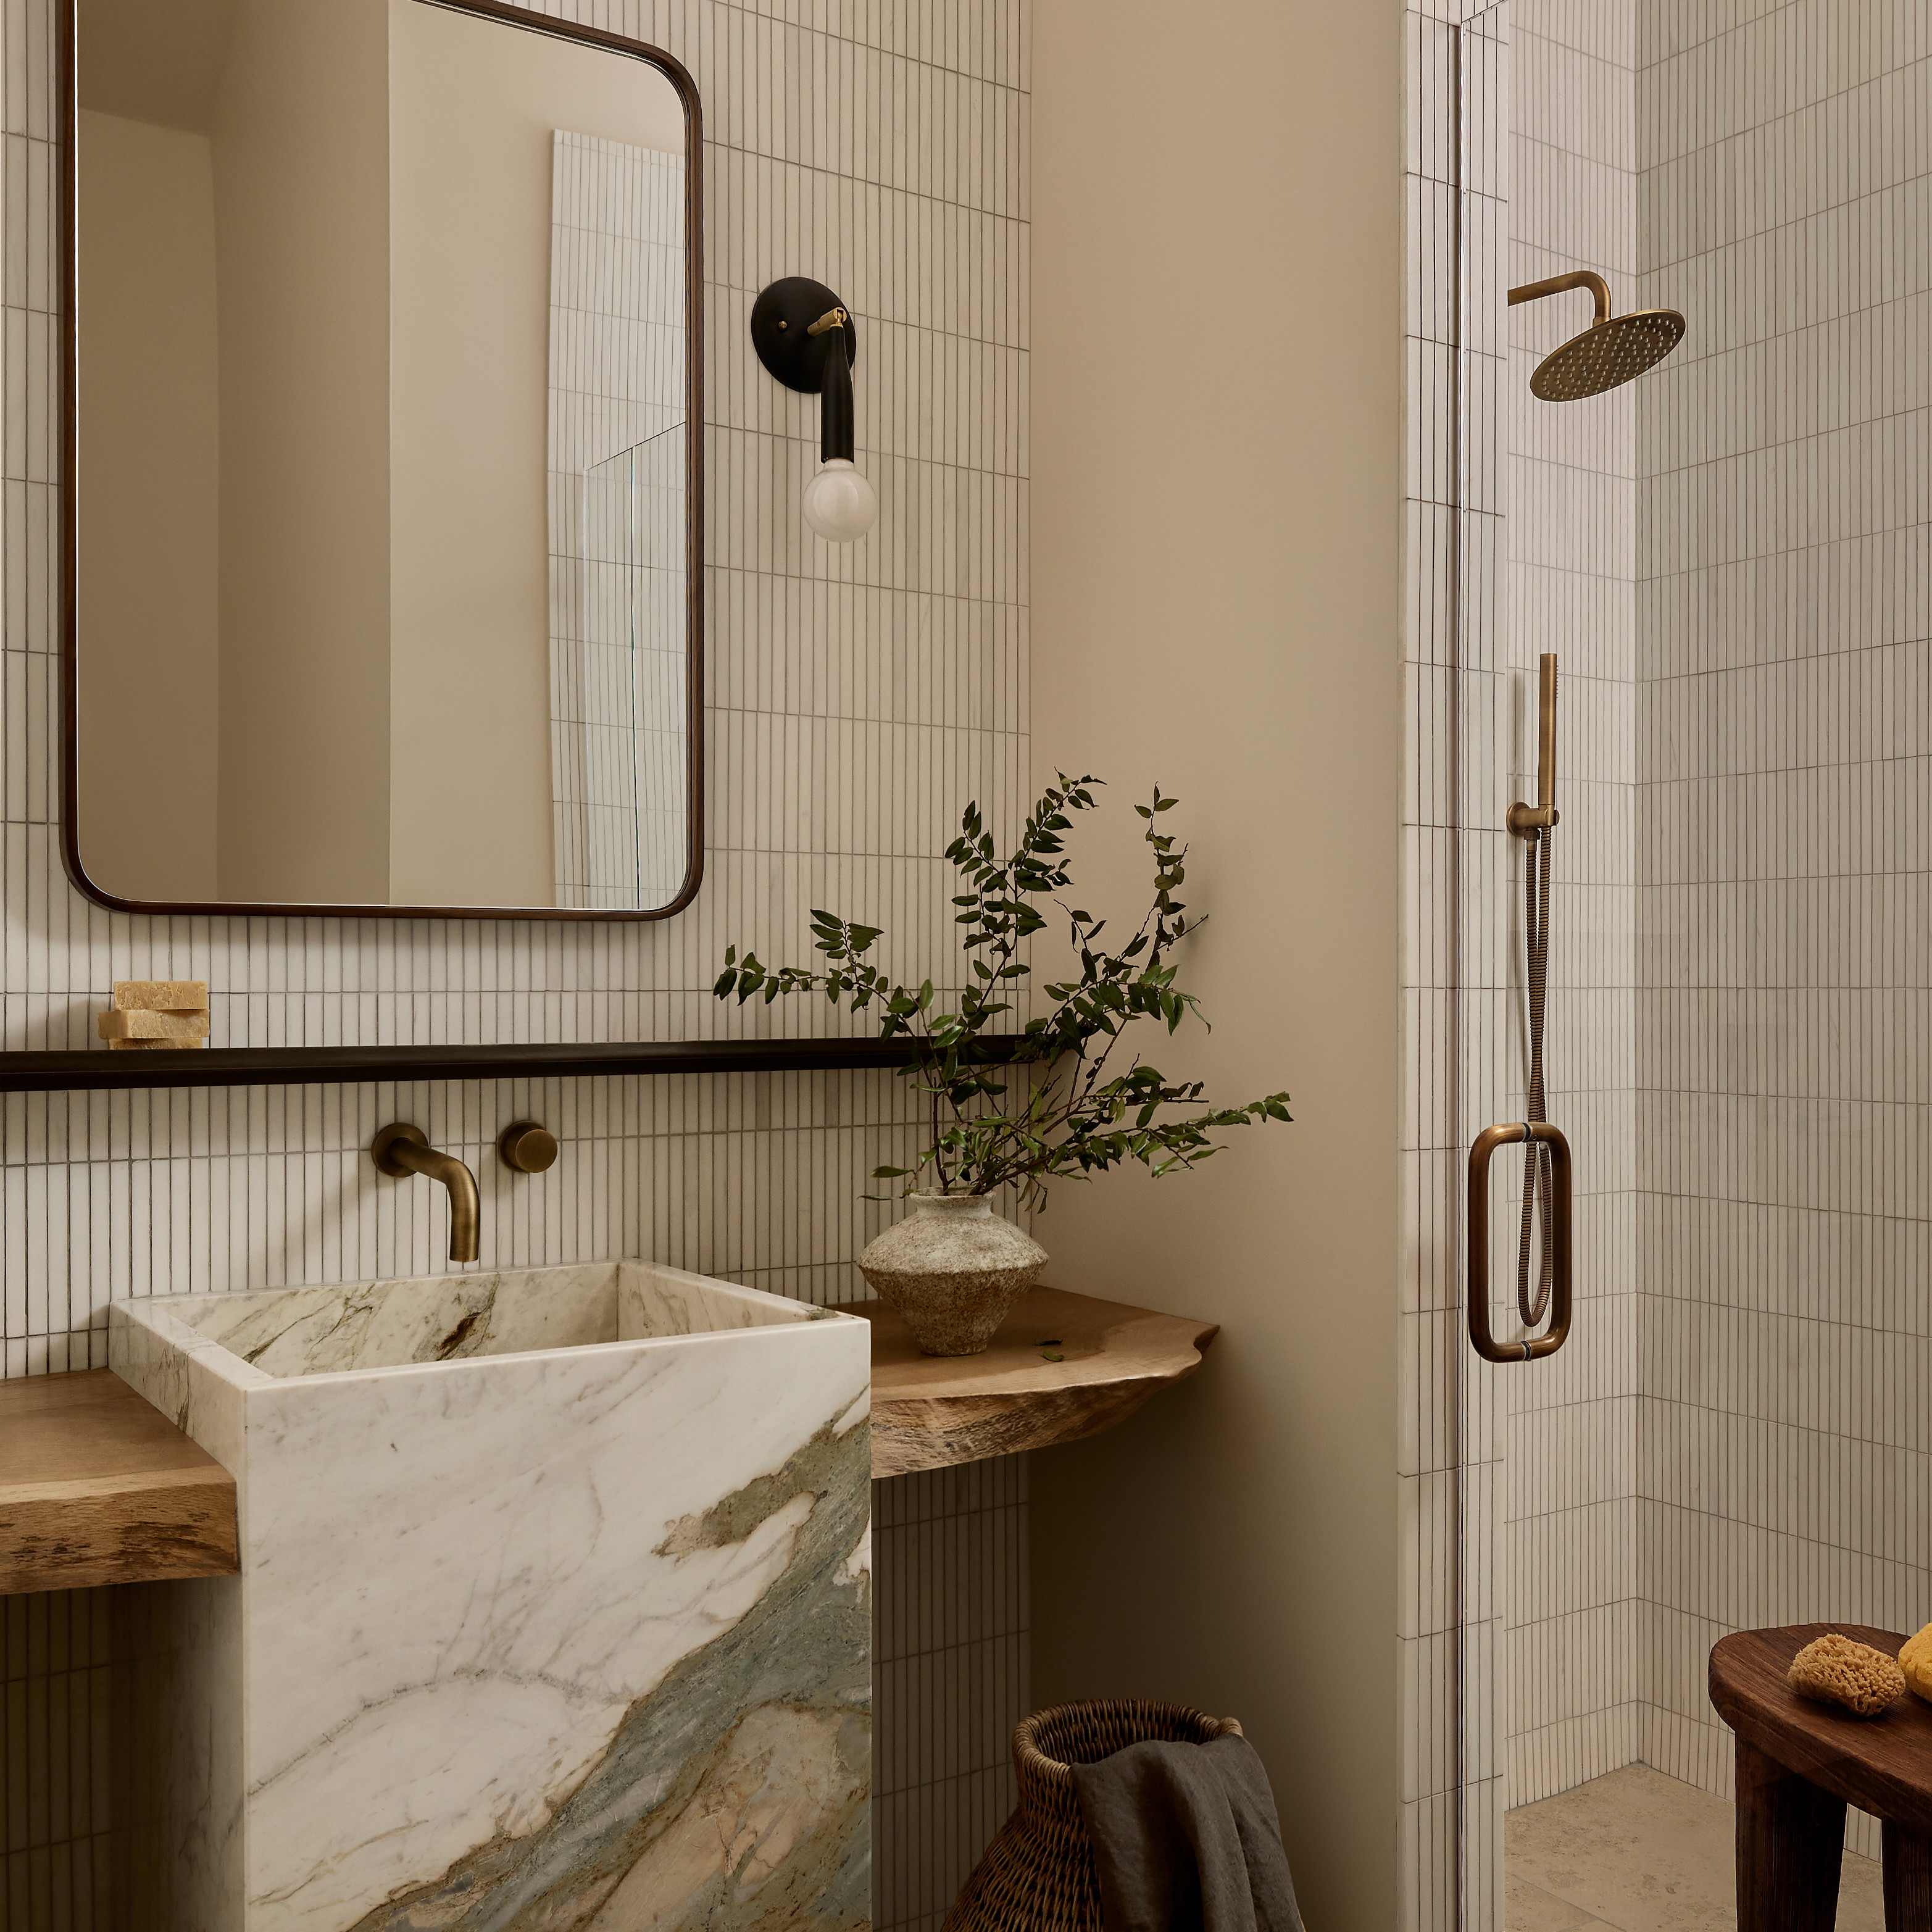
<point x="1610" y="352"/>
<point x="1557" y="285"/>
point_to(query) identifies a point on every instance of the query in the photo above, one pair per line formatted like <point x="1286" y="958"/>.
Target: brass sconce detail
<point x="806" y="338"/>
<point x="1478" y="1293"/>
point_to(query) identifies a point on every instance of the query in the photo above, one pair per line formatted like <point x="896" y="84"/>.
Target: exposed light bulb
<point x="839" y="503"/>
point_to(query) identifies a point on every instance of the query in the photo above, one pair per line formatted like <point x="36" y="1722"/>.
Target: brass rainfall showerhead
<point x="1613" y="350"/>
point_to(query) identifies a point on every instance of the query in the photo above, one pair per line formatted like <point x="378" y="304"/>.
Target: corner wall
<point x="1785" y="555"/>
<point x="1217" y="560"/>
<point x="1571" y="1592"/>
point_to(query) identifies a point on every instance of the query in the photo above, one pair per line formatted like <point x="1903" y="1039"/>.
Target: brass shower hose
<point x="1537" y="1181"/>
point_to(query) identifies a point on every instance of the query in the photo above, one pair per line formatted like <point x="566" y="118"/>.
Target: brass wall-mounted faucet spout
<point x="401" y="1150"/>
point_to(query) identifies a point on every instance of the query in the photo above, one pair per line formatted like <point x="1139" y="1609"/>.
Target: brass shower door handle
<point x="1514" y="1132"/>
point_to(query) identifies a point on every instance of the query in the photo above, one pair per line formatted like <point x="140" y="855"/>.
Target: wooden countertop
<point x="929" y="1411"/>
<point x="97" y="1486"/>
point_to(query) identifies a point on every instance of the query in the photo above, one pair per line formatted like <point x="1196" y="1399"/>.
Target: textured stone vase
<point x="952" y="1267"/>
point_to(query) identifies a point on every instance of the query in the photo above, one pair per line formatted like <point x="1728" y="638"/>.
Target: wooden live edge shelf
<point x="929" y="1411"/>
<point x="97" y="1486"/>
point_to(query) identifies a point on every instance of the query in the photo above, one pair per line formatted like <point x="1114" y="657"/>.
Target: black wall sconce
<point x="805" y="337"/>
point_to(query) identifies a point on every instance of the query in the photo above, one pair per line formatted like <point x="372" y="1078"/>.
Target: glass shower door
<point x="1730" y="557"/>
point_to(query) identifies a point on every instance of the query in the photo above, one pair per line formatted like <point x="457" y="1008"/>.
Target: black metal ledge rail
<point x="60" y="1072"/>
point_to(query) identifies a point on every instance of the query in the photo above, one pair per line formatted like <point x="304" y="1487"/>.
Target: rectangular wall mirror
<point x="382" y="541"/>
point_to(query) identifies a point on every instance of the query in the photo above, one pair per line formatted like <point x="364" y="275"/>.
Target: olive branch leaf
<point x="1072" y="1118"/>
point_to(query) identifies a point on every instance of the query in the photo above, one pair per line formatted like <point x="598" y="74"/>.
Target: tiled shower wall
<point x="1519" y="1617"/>
<point x="1732" y="561"/>
<point x="1456" y="996"/>
<point x="1570" y="1576"/>
<point x="859" y="697"/>
<point x="1785" y="562"/>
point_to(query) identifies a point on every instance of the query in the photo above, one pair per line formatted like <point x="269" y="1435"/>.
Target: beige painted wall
<point x="474" y="109"/>
<point x="148" y="512"/>
<point x="302" y="204"/>
<point x="1216" y="564"/>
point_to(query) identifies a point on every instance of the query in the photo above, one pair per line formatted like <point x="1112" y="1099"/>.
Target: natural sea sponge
<point x="1915" y="1659"/>
<point x="1838" y="1671"/>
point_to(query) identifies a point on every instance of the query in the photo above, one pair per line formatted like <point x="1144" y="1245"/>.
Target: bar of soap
<point x="161" y="996"/>
<point x="1835" y="1669"/>
<point x="1914" y="1661"/>
<point x="143" y="1045"/>
<point x="180" y="1026"/>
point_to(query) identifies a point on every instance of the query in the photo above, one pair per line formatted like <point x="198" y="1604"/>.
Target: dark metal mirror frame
<point x="673" y="71"/>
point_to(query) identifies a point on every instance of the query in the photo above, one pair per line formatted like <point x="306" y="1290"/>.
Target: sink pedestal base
<point x="523" y="1637"/>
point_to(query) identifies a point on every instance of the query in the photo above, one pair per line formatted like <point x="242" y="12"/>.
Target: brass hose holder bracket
<point x="1477" y="1291"/>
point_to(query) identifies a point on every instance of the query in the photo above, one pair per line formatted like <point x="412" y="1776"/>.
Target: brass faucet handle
<point x="833" y="318"/>
<point x="527" y="1147"/>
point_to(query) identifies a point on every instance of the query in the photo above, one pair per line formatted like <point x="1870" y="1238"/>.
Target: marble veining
<point x="548" y="1608"/>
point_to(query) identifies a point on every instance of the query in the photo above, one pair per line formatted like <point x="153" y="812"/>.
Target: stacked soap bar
<point x="157" y="1012"/>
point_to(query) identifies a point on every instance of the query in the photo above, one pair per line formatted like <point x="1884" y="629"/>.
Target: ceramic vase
<point x="952" y="1268"/>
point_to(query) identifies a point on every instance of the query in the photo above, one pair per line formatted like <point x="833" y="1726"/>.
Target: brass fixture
<point x="1613" y="350"/>
<point x="527" y="1147"/>
<point x="806" y="338"/>
<point x="401" y="1150"/>
<point x="1526" y="820"/>
<point x="1549" y="1142"/>
<point x="1545" y="1174"/>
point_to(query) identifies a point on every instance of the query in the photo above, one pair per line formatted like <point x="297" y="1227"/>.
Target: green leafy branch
<point x="1074" y="1118"/>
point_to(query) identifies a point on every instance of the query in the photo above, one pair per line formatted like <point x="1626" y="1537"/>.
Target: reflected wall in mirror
<point x="383" y="569"/>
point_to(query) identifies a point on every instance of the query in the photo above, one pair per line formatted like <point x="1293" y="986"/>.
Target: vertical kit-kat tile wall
<point x="859" y="697"/>
<point x="1571" y="1573"/>
<point x="1731" y="559"/>
<point x="1457" y="994"/>
<point x="1522" y="1543"/>
<point x="1785" y="556"/>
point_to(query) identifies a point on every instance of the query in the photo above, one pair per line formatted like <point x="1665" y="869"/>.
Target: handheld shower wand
<point x="1546" y="1179"/>
<point x="1528" y="821"/>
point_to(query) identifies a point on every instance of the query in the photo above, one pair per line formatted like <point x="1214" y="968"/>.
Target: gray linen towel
<point x="1186" y="1839"/>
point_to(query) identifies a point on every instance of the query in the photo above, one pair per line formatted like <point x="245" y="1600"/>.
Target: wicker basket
<point x="1038" y="1873"/>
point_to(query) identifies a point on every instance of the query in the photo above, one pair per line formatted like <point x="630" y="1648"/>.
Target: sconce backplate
<point x="780" y="317"/>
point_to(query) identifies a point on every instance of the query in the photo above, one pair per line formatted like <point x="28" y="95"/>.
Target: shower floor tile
<point x="1638" y="1852"/>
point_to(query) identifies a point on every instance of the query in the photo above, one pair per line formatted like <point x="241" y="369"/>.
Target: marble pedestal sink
<point x="554" y="1609"/>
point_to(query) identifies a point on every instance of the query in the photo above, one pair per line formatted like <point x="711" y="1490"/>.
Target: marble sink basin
<point x="554" y="1606"/>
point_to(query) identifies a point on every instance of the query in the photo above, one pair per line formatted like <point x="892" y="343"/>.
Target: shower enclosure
<point x="1731" y="555"/>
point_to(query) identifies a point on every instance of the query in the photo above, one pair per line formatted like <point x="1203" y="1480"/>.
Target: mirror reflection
<point x="383" y="556"/>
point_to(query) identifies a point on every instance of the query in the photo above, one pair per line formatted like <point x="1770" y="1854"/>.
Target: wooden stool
<point x="1799" y="1764"/>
